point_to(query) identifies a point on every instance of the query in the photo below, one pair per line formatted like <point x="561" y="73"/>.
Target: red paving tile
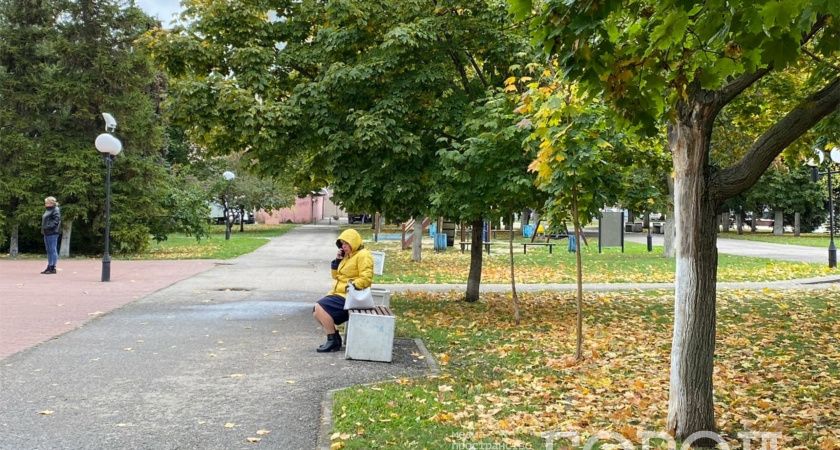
<point x="35" y="307"/>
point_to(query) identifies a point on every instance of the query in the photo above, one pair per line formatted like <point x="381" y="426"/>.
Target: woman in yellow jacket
<point x="352" y="264"/>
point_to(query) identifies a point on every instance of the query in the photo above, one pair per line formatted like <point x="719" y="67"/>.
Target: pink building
<point x="309" y="209"/>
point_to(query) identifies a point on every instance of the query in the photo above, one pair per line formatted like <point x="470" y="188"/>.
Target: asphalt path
<point x="797" y="253"/>
<point x="206" y="363"/>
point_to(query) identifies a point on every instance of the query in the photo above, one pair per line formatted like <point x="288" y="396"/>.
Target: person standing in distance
<point x="50" y="228"/>
<point x="352" y="264"/>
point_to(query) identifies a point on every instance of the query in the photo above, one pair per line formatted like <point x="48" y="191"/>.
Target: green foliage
<point x="56" y="78"/>
<point x="354" y="94"/>
<point x="644" y="56"/>
<point x="186" y="205"/>
<point x="791" y="191"/>
<point x="487" y="176"/>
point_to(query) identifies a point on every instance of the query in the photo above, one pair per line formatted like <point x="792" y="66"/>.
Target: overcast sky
<point x="162" y="9"/>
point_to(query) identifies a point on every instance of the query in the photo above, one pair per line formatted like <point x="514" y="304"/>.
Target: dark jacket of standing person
<point x="51" y="221"/>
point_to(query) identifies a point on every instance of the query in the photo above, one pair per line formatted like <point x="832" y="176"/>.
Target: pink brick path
<point x="35" y="307"/>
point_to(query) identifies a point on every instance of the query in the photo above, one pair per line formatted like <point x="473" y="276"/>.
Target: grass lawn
<point x="214" y="247"/>
<point x="635" y="265"/>
<point x="777" y="368"/>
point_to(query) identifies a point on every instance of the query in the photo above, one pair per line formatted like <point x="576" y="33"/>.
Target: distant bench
<point x="549" y="244"/>
<point x="467" y="244"/>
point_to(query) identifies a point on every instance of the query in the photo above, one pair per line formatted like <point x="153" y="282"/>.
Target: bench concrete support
<point x="370" y="334"/>
<point x="381" y="297"/>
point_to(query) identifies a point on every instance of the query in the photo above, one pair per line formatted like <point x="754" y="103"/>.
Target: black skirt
<point x="334" y="306"/>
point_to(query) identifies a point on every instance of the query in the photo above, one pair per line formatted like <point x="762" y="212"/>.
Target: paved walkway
<point x="754" y="249"/>
<point x="35" y="307"/>
<point x="206" y="362"/>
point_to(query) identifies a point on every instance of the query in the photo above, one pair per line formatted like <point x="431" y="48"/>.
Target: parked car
<point x="360" y="217"/>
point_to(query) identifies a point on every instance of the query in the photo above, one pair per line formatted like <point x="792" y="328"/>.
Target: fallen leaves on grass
<point x="777" y="366"/>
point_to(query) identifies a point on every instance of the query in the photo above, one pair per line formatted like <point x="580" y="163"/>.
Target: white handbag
<point x="358" y="298"/>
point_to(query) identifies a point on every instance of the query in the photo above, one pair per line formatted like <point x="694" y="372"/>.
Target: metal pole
<point x="832" y="250"/>
<point x="227" y="213"/>
<point x="106" y="258"/>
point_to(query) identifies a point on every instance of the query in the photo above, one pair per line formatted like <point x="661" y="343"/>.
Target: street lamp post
<point x="110" y="147"/>
<point x="228" y="176"/>
<point x="815" y="173"/>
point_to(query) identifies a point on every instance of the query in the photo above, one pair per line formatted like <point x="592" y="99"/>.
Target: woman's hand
<point x="339" y="254"/>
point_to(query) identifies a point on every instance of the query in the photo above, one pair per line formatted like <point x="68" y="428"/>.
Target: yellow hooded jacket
<point x="357" y="268"/>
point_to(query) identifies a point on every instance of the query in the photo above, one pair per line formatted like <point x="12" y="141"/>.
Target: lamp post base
<point x="832" y="255"/>
<point x="106" y="268"/>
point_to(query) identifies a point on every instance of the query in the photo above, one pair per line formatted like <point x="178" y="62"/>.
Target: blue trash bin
<point x="432" y="230"/>
<point x="440" y="242"/>
<point x="572" y="246"/>
<point x="528" y="231"/>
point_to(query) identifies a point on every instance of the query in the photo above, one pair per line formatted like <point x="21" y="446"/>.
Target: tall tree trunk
<point x="525" y="218"/>
<point x="691" y="399"/>
<point x="576" y="224"/>
<point x="646" y="221"/>
<point x="797" y="224"/>
<point x="513" y="277"/>
<point x="66" y="231"/>
<point x="778" y="223"/>
<point x="739" y="223"/>
<point x="241" y="220"/>
<point x="669" y="247"/>
<point x="14" y="247"/>
<point x="417" y="242"/>
<point x="476" y="249"/>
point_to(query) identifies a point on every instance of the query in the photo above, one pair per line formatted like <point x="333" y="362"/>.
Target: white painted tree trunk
<point x="14" y="247"/>
<point x="417" y="242"/>
<point x="778" y="223"/>
<point x="669" y="248"/>
<point x="691" y="400"/>
<point x="66" y="231"/>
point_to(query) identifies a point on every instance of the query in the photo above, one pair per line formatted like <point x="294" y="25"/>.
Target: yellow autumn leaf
<point x="510" y="80"/>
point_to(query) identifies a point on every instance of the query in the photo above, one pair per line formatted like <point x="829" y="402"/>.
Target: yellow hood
<point x="350" y="236"/>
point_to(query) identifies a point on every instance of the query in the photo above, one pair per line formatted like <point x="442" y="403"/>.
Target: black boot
<point x="51" y="270"/>
<point x="47" y="270"/>
<point x="333" y="343"/>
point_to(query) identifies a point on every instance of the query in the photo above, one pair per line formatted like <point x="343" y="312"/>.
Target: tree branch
<point x="746" y="172"/>
<point x="478" y="70"/>
<point x="739" y="85"/>
<point x="820" y="60"/>
<point x="460" y="66"/>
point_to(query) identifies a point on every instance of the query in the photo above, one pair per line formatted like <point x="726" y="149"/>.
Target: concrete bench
<point x="370" y="334"/>
<point x="467" y="244"/>
<point x="658" y="228"/>
<point x="549" y="244"/>
<point x="381" y="297"/>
